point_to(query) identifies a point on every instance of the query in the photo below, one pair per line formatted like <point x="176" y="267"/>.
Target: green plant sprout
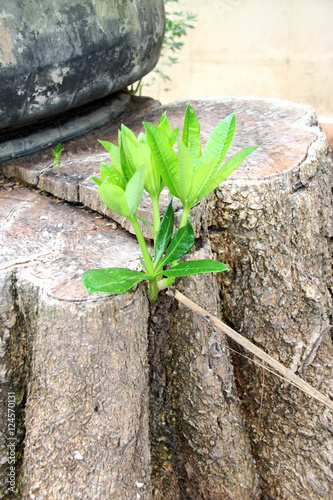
<point x="56" y="153"/>
<point x="149" y="162"/>
<point x="176" y="26"/>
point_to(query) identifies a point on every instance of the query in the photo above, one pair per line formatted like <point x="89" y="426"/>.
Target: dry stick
<point x="287" y="374"/>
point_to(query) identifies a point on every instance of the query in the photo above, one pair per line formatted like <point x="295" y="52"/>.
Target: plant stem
<point x="156" y="213"/>
<point x="143" y="246"/>
<point x="153" y="287"/>
<point x="153" y="290"/>
<point x="168" y="281"/>
<point x="186" y="212"/>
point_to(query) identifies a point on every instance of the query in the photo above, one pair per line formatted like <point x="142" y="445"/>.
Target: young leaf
<point x="185" y="171"/>
<point x="111" y="175"/>
<point x="164" y="233"/>
<point x="164" y="125"/>
<point x="130" y="144"/>
<point x="225" y="129"/>
<point x="127" y="132"/>
<point x="97" y="180"/>
<point x="56" y="153"/>
<point x="181" y="244"/>
<point x="191" y="134"/>
<point x="153" y="182"/>
<point x="112" y="280"/>
<point x="224" y="135"/>
<point x="230" y="132"/>
<point x="108" y="145"/>
<point x="134" y="190"/>
<point x="200" y="177"/>
<point x="165" y="158"/>
<point x="195" y="267"/>
<point x="114" y="198"/>
<point x="142" y="138"/>
<point x="176" y="133"/>
<point x="125" y="164"/>
<point x="225" y="171"/>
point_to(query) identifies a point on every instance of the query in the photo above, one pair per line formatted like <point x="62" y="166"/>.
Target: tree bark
<point x="275" y="234"/>
<point x="79" y="361"/>
<point x="200" y="449"/>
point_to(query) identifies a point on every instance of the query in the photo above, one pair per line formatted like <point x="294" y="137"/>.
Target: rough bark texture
<point x="86" y="416"/>
<point x="86" y="435"/>
<point x="275" y="234"/>
<point x="271" y="222"/>
<point x="200" y="449"/>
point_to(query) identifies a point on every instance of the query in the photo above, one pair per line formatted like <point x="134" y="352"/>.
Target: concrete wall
<point x="268" y="48"/>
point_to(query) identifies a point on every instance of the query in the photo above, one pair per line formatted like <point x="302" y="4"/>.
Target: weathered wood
<point x="199" y="447"/>
<point x="80" y="360"/>
<point x="275" y="231"/>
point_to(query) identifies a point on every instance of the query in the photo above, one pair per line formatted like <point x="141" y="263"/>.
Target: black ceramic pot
<point x="56" y="55"/>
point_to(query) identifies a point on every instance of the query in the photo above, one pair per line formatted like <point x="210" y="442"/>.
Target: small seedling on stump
<point x="56" y="153"/>
<point x="150" y="162"/>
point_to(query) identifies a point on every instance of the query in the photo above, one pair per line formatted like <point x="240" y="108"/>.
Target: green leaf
<point x="153" y="182"/>
<point x="225" y="171"/>
<point x="176" y="133"/>
<point x="165" y="158"/>
<point x="200" y="177"/>
<point x="164" y="233"/>
<point x="230" y="132"/>
<point x="181" y="244"/>
<point x="56" y="153"/>
<point x="142" y="138"/>
<point x="195" y="267"/>
<point x="130" y="145"/>
<point x="191" y="134"/>
<point x="134" y="190"/>
<point x="125" y="164"/>
<point x="108" y="145"/>
<point x="164" y="125"/>
<point x="114" y="153"/>
<point x="115" y="157"/>
<point x="114" y="198"/>
<point x="111" y="175"/>
<point x="112" y="280"/>
<point x="222" y="134"/>
<point x="223" y="131"/>
<point x="185" y="171"/>
<point x="97" y="180"/>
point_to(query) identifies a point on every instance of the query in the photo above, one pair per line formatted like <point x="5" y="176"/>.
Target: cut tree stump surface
<point x="266" y="122"/>
<point x="271" y="222"/>
<point x="86" y="416"/>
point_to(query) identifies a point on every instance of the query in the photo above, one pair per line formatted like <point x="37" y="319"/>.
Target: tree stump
<point x="271" y="222"/>
<point x="79" y="361"/>
<point x="199" y="447"/>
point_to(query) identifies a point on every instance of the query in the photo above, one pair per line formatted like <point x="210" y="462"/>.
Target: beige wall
<point x="268" y="48"/>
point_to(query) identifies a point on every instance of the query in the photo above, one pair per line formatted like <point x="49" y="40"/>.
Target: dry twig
<point x="278" y="367"/>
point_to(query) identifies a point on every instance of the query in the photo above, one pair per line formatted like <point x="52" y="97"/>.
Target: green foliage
<point x="56" y="153"/>
<point x="112" y="280"/>
<point x="149" y="163"/>
<point x="177" y="24"/>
